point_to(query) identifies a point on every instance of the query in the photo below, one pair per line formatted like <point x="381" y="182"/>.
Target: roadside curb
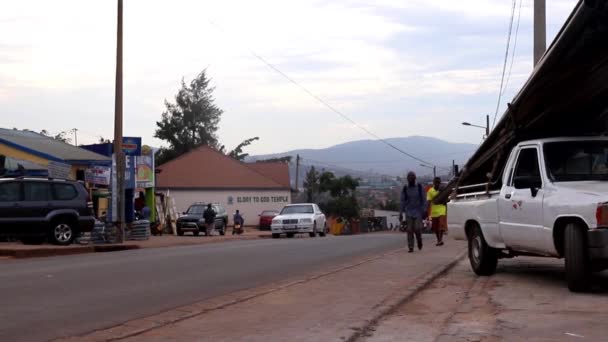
<point x="41" y="252"/>
<point x="142" y="325"/>
<point x="69" y="250"/>
<point x="391" y="304"/>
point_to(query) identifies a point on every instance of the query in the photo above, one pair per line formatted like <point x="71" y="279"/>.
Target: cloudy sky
<point x="397" y="67"/>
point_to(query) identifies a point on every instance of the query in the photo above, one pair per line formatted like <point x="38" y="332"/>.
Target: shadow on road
<point x="547" y="272"/>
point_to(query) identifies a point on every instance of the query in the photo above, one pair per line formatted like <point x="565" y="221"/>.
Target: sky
<point x="396" y="67"/>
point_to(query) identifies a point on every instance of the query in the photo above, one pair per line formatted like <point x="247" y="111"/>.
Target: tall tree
<point x="342" y="191"/>
<point x="191" y="121"/>
<point x="238" y="153"/>
<point x="311" y="184"/>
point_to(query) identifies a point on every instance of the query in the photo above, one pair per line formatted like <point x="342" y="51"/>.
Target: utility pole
<point x="540" y="29"/>
<point x="434" y="171"/>
<point x="75" y="130"/>
<point x="297" y="172"/>
<point x="453" y="168"/>
<point x="118" y="152"/>
<point x="487" y="126"/>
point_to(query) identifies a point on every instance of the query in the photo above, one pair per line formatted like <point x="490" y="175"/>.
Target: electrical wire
<point x="514" y="47"/>
<point x="504" y="67"/>
<point x="326" y="104"/>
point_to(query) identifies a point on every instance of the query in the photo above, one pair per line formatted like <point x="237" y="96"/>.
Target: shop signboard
<point x="145" y="171"/>
<point x="59" y="170"/>
<point x="98" y="175"/>
<point x="131" y="146"/>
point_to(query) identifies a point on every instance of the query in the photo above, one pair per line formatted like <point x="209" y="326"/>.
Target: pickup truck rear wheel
<point x="482" y="257"/>
<point x="575" y="252"/>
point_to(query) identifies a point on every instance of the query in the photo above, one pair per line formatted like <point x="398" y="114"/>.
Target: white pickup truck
<point x="552" y="201"/>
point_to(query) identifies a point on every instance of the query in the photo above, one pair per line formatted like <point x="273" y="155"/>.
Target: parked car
<point x="266" y="218"/>
<point x="552" y="201"/>
<point x="36" y="209"/>
<point x="304" y="218"/>
<point x="193" y="220"/>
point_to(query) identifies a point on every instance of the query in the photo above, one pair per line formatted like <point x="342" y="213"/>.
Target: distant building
<point x="60" y="159"/>
<point x="205" y="175"/>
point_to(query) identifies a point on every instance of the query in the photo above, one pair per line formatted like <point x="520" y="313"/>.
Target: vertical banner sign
<point x="113" y="207"/>
<point x="145" y="171"/>
<point x="129" y="182"/>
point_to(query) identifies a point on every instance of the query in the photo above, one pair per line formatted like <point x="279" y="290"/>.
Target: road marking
<point x="575" y="335"/>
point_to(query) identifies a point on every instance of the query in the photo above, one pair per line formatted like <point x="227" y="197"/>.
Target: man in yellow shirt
<point x="438" y="211"/>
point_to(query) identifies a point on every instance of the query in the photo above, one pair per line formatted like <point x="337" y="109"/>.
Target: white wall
<point x="391" y="216"/>
<point x="249" y="203"/>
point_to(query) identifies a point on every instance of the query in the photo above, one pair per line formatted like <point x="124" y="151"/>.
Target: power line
<point x="504" y="67"/>
<point x="514" y="47"/>
<point x="394" y="161"/>
<point x="326" y="104"/>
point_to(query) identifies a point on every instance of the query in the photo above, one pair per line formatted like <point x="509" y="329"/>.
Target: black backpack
<point x="420" y="191"/>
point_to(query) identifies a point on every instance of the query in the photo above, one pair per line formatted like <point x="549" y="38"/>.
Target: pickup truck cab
<point x="552" y="200"/>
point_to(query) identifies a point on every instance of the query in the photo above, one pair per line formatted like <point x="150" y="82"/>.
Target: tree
<point x="286" y="159"/>
<point x="61" y="136"/>
<point x="103" y="140"/>
<point x="237" y="153"/>
<point x="338" y="187"/>
<point x="191" y="121"/>
<point x="342" y="190"/>
<point x="311" y="184"/>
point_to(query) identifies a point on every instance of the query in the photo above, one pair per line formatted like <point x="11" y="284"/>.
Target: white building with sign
<point x="205" y="175"/>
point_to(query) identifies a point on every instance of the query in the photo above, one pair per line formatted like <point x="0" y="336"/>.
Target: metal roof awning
<point x="566" y="95"/>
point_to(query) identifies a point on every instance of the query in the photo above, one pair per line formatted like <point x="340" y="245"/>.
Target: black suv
<point x="193" y="220"/>
<point x="34" y="209"/>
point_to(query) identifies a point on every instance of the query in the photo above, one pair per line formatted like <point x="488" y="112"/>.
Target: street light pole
<point x="434" y="167"/>
<point x="487" y="125"/>
<point x="540" y="29"/>
<point x="75" y="131"/>
<point x="118" y="152"/>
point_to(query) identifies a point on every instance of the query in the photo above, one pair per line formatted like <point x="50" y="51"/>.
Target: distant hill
<point x="366" y="157"/>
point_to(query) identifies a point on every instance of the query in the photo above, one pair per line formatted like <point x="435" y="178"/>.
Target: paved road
<point x="62" y="296"/>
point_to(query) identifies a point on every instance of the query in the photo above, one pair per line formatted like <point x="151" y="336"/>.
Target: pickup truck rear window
<point x="570" y="161"/>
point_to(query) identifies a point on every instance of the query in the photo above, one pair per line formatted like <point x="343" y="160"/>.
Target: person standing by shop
<point x="209" y="217"/>
<point x="438" y="211"/>
<point x="413" y="204"/>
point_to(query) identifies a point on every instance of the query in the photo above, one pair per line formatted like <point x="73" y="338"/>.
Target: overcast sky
<point x="397" y="67"/>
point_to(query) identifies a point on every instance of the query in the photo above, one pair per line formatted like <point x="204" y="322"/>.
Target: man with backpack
<point x="209" y="217"/>
<point x="413" y="205"/>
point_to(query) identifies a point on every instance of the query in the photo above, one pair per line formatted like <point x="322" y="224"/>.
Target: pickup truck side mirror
<point x="528" y="182"/>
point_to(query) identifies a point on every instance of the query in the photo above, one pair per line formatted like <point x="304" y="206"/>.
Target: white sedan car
<point x="299" y="219"/>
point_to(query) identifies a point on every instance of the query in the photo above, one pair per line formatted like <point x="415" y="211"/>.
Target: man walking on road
<point x="209" y="216"/>
<point x="413" y="204"/>
<point x="438" y="211"/>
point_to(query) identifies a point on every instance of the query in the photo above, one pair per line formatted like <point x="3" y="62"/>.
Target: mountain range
<point x="377" y="158"/>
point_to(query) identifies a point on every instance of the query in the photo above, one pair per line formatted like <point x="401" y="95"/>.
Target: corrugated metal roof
<point x="277" y="171"/>
<point x="47" y="146"/>
<point x="205" y="168"/>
